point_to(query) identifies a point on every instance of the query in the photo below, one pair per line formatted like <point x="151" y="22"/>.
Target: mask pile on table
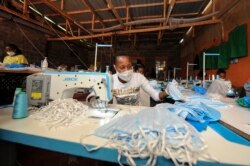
<point x="61" y="113"/>
<point x="151" y="133"/>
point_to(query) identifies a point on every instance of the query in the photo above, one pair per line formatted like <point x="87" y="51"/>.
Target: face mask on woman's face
<point x="126" y="75"/>
<point x="11" y="53"/>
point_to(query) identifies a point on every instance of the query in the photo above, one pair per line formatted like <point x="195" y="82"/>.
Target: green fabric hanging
<point x="224" y="57"/>
<point x="238" y="42"/>
<point x="236" y="47"/>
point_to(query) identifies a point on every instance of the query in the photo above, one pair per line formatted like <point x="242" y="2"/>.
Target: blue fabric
<point x="228" y="134"/>
<point x="198" y="125"/>
<point x="15" y="66"/>
<point x="199" y="90"/>
<point x="201" y="111"/>
<point x="247" y="100"/>
<point x="199" y="115"/>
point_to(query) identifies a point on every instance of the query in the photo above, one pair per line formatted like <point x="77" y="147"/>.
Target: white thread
<point x="61" y="113"/>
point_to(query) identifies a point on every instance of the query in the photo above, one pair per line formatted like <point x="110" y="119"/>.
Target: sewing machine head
<point x="47" y="86"/>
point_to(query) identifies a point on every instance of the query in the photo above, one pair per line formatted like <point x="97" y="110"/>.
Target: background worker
<point x="14" y="55"/>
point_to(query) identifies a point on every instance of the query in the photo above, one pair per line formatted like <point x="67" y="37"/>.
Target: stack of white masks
<point x="151" y="133"/>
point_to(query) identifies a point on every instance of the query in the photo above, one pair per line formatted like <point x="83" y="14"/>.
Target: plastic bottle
<point x="45" y="64"/>
<point x="107" y="69"/>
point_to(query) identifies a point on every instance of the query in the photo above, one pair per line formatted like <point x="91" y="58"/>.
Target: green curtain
<point x="238" y="42"/>
<point x="236" y="47"/>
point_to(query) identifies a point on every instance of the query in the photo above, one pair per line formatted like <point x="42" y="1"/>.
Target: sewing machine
<point x="46" y="86"/>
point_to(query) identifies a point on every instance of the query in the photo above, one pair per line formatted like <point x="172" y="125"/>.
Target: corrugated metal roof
<point x="134" y="2"/>
<point x="74" y="5"/>
<point x="106" y="15"/>
<point x="193" y="7"/>
<point x="98" y="4"/>
<point x="118" y="3"/>
<point x="82" y="17"/>
<point x="148" y="11"/>
<point x="77" y="10"/>
<point x="42" y="8"/>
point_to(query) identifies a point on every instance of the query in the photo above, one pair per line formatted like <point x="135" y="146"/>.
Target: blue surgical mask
<point x="174" y="92"/>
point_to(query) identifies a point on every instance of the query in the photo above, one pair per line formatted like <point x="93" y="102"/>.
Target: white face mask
<point x="10" y="53"/>
<point x="126" y="75"/>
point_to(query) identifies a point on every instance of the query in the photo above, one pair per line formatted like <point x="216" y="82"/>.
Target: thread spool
<point x="20" y="109"/>
<point x="18" y="90"/>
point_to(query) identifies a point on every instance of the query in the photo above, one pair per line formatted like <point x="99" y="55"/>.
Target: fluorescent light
<point x="208" y="5"/>
<point x="59" y="26"/>
<point x="48" y="19"/>
<point x="181" y="41"/>
<point x="189" y="30"/>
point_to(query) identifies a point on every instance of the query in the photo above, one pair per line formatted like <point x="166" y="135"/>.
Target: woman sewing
<point x="14" y="55"/>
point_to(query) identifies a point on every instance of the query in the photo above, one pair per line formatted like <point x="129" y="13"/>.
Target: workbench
<point x="67" y="140"/>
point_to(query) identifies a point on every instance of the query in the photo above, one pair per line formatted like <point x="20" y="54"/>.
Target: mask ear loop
<point x="61" y="112"/>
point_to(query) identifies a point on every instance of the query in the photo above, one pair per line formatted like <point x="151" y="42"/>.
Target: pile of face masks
<point x="199" y="90"/>
<point x="195" y="99"/>
<point x="151" y="133"/>
<point x="173" y="91"/>
<point x="195" y="112"/>
<point x="61" y="113"/>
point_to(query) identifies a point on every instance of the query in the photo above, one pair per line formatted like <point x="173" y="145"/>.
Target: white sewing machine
<point x="46" y="86"/>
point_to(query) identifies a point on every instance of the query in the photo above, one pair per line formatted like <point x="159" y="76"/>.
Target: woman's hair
<point x="14" y="47"/>
<point x="137" y="66"/>
<point x="221" y="71"/>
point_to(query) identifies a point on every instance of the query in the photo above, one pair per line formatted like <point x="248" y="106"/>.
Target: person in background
<point x="14" y="55"/>
<point x="62" y="67"/>
<point x="139" y="68"/>
<point x="221" y="73"/>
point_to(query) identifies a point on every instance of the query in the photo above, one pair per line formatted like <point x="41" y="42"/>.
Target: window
<point x="160" y="69"/>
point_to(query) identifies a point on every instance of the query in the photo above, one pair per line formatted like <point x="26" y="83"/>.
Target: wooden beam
<point x="62" y="5"/>
<point x="25" y="7"/>
<point x="227" y="8"/>
<point x="88" y="5"/>
<point x="213" y="8"/>
<point x="135" y="39"/>
<point x="68" y="28"/>
<point x="170" y="9"/>
<point x="114" y="20"/>
<point x="40" y="24"/>
<point x="110" y="5"/>
<point x="93" y="21"/>
<point x="201" y="23"/>
<point x="65" y="15"/>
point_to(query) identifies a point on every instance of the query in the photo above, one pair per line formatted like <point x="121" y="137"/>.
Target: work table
<point x="67" y="140"/>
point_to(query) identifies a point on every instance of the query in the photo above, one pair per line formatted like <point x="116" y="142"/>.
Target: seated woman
<point x="14" y="55"/>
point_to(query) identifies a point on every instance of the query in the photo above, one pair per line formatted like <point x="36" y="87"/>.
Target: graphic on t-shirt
<point x="127" y="96"/>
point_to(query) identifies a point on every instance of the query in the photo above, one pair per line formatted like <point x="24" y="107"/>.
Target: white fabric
<point x="129" y="93"/>
<point x="219" y="87"/>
